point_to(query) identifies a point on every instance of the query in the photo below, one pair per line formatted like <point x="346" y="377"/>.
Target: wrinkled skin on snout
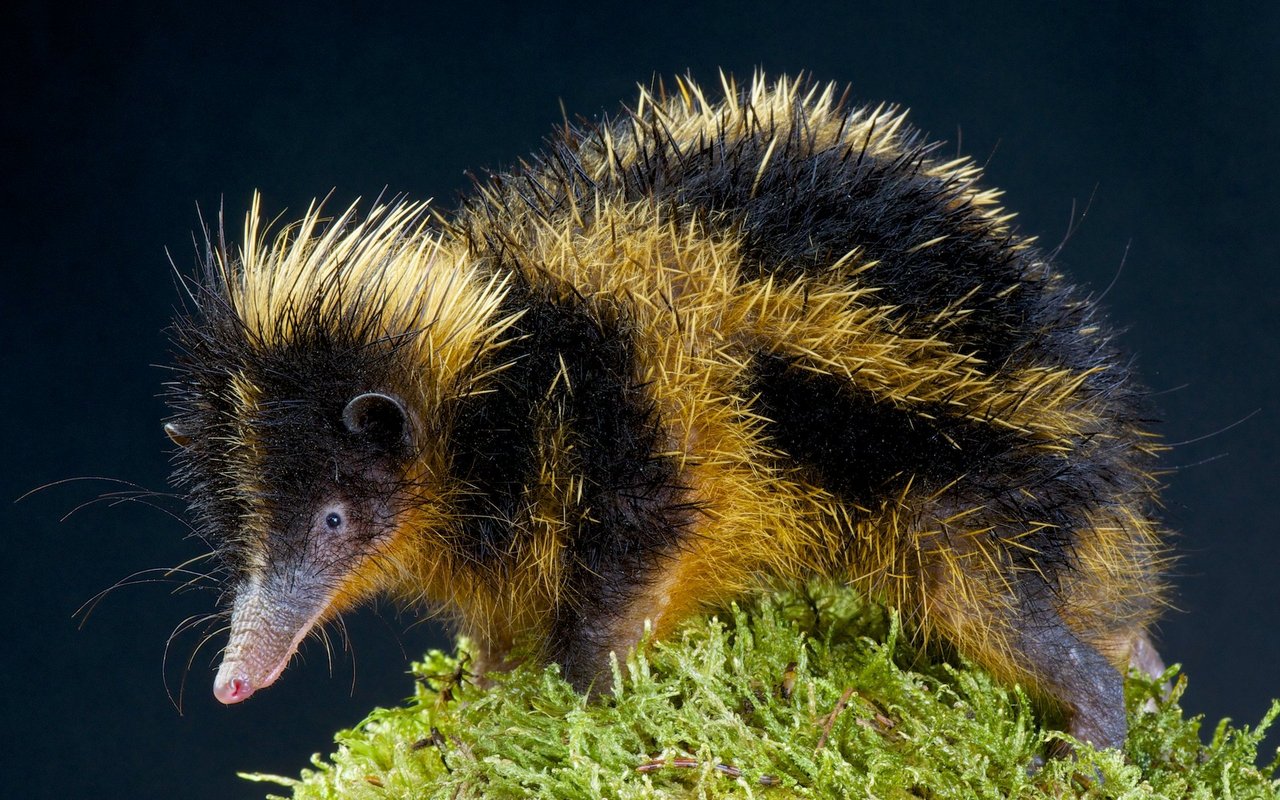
<point x="276" y="608"/>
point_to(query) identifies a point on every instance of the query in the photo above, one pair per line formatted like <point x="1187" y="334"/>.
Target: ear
<point x="177" y="434"/>
<point x="378" y="416"/>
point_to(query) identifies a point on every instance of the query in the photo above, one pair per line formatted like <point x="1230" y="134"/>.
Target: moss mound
<point x="794" y="694"/>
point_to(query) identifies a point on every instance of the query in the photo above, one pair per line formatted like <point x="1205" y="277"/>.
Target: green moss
<point x="705" y="716"/>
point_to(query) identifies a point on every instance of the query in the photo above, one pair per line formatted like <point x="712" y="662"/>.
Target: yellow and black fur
<point x="678" y="353"/>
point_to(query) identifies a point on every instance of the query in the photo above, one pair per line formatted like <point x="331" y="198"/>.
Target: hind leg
<point x="1016" y="633"/>
<point x="1072" y="675"/>
<point x="1143" y="656"/>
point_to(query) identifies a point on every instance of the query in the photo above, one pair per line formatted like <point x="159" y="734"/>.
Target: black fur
<point x="861" y="449"/>
<point x="811" y="205"/>
<point x="305" y="385"/>
<point x="814" y="203"/>
<point x="570" y="370"/>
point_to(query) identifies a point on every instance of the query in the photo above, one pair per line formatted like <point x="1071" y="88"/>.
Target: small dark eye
<point x="333" y="520"/>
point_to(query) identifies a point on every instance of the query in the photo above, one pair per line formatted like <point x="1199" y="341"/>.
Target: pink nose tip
<point x="233" y="690"/>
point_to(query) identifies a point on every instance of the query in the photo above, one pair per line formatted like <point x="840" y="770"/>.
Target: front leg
<point x="605" y="614"/>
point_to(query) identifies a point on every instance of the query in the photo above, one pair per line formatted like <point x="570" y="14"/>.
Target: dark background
<point x="117" y="123"/>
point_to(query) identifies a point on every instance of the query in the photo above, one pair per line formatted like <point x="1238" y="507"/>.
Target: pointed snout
<point x="267" y="625"/>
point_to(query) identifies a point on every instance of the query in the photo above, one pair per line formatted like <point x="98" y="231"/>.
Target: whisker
<point x="187" y="670"/>
<point x="113" y="499"/>
<point x="347" y="647"/>
<point x="183" y="566"/>
<point x="195" y="580"/>
<point x="323" y="635"/>
<point x="82" y="478"/>
<point x="182" y="627"/>
<point x="87" y="608"/>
